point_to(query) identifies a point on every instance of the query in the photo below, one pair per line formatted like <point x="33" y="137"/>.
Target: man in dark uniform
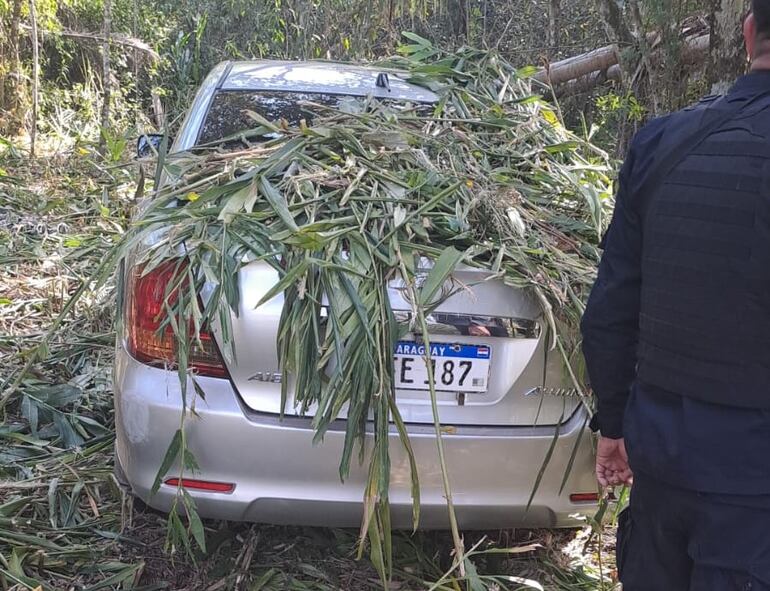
<point x="677" y="341"/>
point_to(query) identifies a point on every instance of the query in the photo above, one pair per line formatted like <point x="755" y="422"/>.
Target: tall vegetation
<point x="191" y="36"/>
<point x="159" y="51"/>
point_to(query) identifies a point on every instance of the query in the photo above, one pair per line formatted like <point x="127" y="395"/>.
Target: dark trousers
<point x="671" y="539"/>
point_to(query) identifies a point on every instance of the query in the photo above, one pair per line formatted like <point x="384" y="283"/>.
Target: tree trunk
<point x="614" y="23"/>
<point x="485" y="14"/>
<point x="106" y="33"/>
<point x="554" y="22"/>
<point x="137" y="86"/>
<point x="644" y="48"/>
<point x="727" y="59"/>
<point x="12" y="91"/>
<point x="458" y="18"/>
<point x="35" y="77"/>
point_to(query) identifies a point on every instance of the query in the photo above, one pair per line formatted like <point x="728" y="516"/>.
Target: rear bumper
<point x="281" y="478"/>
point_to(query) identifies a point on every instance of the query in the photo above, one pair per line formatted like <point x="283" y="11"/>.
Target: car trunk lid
<point x="488" y="332"/>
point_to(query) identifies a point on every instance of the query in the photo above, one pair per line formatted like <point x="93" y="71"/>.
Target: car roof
<point x="322" y="77"/>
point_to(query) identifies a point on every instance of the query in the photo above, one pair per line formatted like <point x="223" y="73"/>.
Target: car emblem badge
<point x="266" y="376"/>
<point x="558" y="392"/>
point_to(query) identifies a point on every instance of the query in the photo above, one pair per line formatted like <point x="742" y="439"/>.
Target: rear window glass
<point x="228" y="115"/>
<point x="228" y="120"/>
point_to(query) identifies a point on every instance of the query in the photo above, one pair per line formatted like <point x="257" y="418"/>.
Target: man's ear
<point x="750" y="35"/>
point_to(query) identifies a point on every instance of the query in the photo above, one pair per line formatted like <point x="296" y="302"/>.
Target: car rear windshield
<point x="229" y="112"/>
<point x="228" y="121"/>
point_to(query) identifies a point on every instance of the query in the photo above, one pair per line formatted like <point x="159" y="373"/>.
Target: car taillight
<point x="145" y="314"/>
<point x="591" y="497"/>
<point x="203" y="485"/>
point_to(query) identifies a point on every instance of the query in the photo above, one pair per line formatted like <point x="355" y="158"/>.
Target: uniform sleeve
<point x="610" y="324"/>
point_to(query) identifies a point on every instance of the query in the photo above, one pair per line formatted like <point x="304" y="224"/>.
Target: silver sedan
<point x="504" y="396"/>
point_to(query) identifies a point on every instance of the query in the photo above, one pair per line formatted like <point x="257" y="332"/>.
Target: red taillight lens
<point x="204" y="485"/>
<point x="145" y="314"/>
<point x="584" y="497"/>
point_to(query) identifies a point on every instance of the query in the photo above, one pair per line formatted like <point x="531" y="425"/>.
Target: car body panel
<point x="496" y="443"/>
<point x="517" y="364"/>
<point x="281" y="477"/>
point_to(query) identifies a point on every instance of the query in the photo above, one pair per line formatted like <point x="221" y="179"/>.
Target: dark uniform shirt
<point x="685" y="442"/>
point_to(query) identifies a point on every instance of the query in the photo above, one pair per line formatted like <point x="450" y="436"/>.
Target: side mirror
<point x="148" y="144"/>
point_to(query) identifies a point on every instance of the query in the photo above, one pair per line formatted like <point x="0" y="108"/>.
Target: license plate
<point x="456" y="367"/>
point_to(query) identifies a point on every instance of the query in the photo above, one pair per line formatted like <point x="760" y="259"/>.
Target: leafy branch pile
<point x="488" y="177"/>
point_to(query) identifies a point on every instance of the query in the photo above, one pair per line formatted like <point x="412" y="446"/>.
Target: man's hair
<point x="761" y="10"/>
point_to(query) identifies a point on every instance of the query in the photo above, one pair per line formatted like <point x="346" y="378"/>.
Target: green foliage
<point x="192" y="36"/>
<point x="115" y="145"/>
<point x="628" y="107"/>
<point x="615" y="115"/>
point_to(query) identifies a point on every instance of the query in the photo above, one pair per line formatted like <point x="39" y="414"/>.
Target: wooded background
<point x="86" y="65"/>
<point x="79" y="80"/>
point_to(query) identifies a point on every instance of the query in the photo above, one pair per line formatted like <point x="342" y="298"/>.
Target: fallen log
<point x="572" y="68"/>
<point x="116" y="39"/>
<point x="584" y="72"/>
<point x="589" y="81"/>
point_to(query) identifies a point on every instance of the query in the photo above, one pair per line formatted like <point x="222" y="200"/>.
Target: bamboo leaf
<point x="422" y="41"/>
<point x="172" y="454"/>
<point x="29" y="411"/>
<point x="73" y="503"/>
<point x="547" y="459"/>
<point x="415" y="483"/>
<point x="573" y="455"/>
<point x="69" y="436"/>
<point x="122" y="576"/>
<point x="288" y="279"/>
<point x="262" y="121"/>
<point x="196" y="525"/>
<point x="442" y="269"/>
<point x="363" y="315"/>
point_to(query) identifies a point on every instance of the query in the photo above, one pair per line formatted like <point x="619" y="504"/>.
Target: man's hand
<point x="612" y="462"/>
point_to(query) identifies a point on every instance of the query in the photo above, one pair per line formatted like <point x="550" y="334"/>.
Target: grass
<point x="65" y="523"/>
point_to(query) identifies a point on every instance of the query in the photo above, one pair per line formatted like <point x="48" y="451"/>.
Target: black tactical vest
<point x="705" y="300"/>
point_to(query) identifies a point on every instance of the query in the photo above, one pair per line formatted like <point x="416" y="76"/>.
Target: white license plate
<point x="456" y="367"/>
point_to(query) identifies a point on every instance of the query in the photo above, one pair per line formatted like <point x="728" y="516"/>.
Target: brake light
<point x="204" y="485"/>
<point x="145" y="315"/>
<point x="591" y="497"/>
